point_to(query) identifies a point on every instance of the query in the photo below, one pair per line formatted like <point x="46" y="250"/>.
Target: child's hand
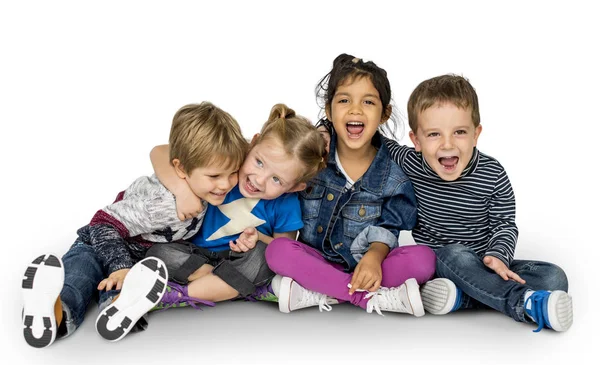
<point x="246" y="241"/>
<point x="188" y="205"/>
<point x="326" y="136"/>
<point x="366" y="276"/>
<point x="500" y="268"/>
<point x="116" y="278"/>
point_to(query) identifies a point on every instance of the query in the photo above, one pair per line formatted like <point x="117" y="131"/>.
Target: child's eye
<point x="343" y="101"/>
<point x="369" y="102"/>
<point x="461" y="131"/>
<point x="433" y="134"/>
<point x="276" y="180"/>
<point x="259" y="163"/>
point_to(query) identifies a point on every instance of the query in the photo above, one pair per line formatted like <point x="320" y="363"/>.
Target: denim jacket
<point x="342" y="223"/>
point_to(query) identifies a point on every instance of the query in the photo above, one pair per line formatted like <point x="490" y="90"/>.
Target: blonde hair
<point x="439" y="90"/>
<point x="300" y="139"/>
<point x="203" y="135"/>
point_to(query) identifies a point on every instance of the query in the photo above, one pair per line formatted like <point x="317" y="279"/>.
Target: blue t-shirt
<point x="225" y="222"/>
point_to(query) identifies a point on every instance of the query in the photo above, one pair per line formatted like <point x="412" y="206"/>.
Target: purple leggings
<point x="307" y="266"/>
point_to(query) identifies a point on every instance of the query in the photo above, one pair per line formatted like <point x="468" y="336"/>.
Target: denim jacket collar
<point x="376" y="175"/>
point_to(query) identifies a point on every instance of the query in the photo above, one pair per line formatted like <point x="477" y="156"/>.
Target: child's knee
<point x="277" y="248"/>
<point x="555" y="278"/>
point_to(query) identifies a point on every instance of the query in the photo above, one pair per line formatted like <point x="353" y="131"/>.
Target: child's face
<point x="210" y="183"/>
<point x="446" y="137"/>
<point x="268" y="171"/>
<point x="356" y="113"/>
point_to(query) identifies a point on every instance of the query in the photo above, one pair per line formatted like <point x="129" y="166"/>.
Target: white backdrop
<point x="86" y="90"/>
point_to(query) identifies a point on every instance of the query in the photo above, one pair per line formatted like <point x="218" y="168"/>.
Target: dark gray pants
<point x="243" y="271"/>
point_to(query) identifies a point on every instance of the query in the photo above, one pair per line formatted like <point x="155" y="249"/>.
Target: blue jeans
<point x="482" y="287"/>
<point x="83" y="273"/>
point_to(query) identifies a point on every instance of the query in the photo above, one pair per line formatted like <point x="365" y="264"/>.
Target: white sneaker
<point x="551" y="309"/>
<point x="42" y="283"/>
<point x="143" y="287"/>
<point x="440" y="296"/>
<point x="403" y="299"/>
<point x="292" y="296"/>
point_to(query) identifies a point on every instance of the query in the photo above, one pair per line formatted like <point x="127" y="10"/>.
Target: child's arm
<point x="367" y="274"/>
<point x="188" y="204"/>
<point x="251" y="235"/>
<point x="504" y="230"/>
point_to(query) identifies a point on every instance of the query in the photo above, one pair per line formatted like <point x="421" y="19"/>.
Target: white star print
<point x="239" y="213"/>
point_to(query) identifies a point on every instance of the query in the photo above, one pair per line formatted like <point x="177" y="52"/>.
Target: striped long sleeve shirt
<point x="476" y="210"/>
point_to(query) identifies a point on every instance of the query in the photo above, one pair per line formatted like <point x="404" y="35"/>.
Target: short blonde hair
<point x="449" y="88"/>
<point x="300" y="139"/>
<point x="203" y="135"/>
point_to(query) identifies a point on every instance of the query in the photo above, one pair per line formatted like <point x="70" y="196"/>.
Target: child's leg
<point x="238" y="275"/>
<point x="540" y="275"/>
<point x="405" y="262"/>
<point x="308" y="268"/>
<point x="466" y="269"/>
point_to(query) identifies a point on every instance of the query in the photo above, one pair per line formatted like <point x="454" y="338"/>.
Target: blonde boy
<point x="207" y="150"/>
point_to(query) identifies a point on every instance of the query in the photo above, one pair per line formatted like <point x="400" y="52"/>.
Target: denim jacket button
<point x="319" y="229"/>
<point x="330" y="197"/>
<point x="362" y="211"/>
<point x="339" y="245"/>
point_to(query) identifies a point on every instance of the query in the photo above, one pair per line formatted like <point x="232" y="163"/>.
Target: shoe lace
<point x="539" y="301"/>
<point x="310" y="297"/>
<point x="385" y="298"/>
<point x="179" y="294"/>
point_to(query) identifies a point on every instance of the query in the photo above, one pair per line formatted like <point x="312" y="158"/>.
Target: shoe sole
<point x="561" y="318"/>
<point x="142" y="289"/>
<point x="285" y="290"/>
<point x="414" y="297"/>
<point x="42" y="283"/>
<point x="439" y="296"/>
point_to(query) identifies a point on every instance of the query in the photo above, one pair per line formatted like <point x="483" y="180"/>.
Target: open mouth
<point x="250" y="187"/>
<point x="449" y="163"/>
<point x="355" y="129"/>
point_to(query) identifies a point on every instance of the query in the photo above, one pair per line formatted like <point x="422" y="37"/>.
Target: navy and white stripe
<point x="476" y="210"/>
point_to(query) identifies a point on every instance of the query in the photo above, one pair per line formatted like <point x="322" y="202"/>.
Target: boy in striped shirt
<point x="466" y="213"/>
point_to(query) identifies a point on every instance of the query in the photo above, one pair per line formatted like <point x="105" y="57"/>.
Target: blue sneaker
<point x="440" y="296"/>
<point x="550" y="309"/>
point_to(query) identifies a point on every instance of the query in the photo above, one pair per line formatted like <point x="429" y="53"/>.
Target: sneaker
<point x="440" y="296"/>
<point x="42" y="283"/>
<point x="142" y="289"/>
<point x="292" y="296"/>
<point x="264" y="294"/>
<point x="176" y="296"/>
<point x="403" y="299"/>
<point x="551" y="309"/>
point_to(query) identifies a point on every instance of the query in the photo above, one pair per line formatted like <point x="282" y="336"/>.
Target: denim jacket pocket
<point x="311" y="199"/>
<point x="359" y="216"/>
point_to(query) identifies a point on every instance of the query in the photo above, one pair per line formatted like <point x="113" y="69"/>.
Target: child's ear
<point x="297" y="187"/>
<point x="328" y="112"/>
<point x="415" y="141"/>
<point x="387" y="113"/>
<point x="179" y="168"/>
<point x="254" y="139"/>
<point x="477" y="133"/>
